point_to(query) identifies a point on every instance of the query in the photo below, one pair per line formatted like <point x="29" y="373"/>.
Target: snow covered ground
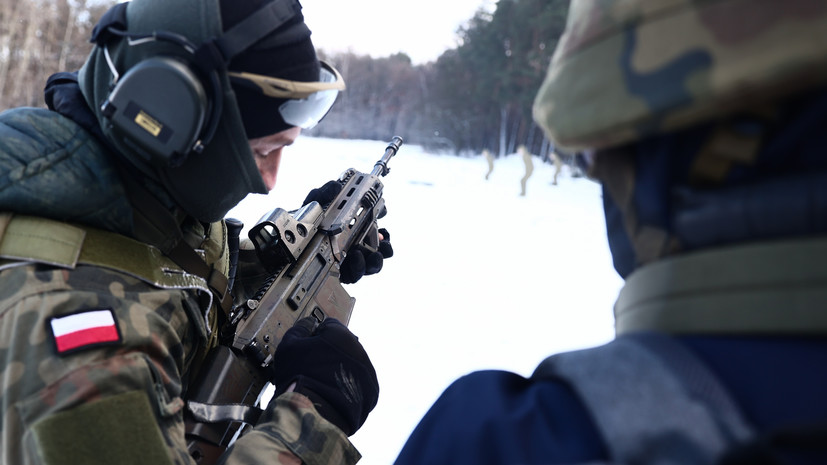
<point x="482" y="278"/>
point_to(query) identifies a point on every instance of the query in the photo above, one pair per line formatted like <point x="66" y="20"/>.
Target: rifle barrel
<point x="381" y="166"/>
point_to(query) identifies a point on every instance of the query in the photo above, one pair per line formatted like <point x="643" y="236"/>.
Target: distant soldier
<point x="529" y="167"/>
<point x="490" y="159"/>
<point x="558" y="165"/>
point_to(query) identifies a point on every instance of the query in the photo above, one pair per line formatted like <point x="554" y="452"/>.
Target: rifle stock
<point x="303" y="251"/>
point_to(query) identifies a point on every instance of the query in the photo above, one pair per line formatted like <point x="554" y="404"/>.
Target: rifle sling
<point x="41" y="240"/>
<point x="215" y="413"/>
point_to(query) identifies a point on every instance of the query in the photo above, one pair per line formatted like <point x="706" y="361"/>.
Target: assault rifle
<point x="303" y="251"/>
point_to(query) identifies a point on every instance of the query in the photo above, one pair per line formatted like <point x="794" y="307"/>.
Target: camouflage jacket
<point x="98" y="332"/>
<point x="614" y="78"/>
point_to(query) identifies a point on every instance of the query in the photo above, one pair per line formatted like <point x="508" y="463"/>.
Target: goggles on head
<point x="308" y="102"/>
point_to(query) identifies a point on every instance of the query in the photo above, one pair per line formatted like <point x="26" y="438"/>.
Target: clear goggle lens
<point x="308" y="102"/>
<point x="307" y="112"/>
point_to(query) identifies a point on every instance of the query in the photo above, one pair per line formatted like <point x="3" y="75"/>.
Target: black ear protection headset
<point x="166" y="107"/>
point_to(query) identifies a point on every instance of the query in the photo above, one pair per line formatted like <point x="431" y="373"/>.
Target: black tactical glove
<point x="329" y="366"/>
<point x="324" y="195"/>
<point x="359" y="261"/>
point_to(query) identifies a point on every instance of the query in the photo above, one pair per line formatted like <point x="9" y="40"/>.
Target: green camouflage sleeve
<point x="301" y="433"/>
<point x="93" y="366"/>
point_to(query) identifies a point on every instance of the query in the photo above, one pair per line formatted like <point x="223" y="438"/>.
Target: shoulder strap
<point x="653" y="401"/>
<point x="27" y="239"/>
<point x="154" y="224"/>
<point x="41" y="240"/>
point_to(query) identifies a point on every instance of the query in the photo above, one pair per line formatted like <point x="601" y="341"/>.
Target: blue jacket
<point x="768" y="361"/>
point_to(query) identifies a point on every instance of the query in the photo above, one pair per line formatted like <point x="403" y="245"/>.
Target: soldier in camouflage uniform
<point x="529" y="167"/>
<point x="706" y="124"/>
<point x="114" y="267"/>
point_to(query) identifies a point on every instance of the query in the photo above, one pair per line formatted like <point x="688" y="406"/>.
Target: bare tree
<point x="39" y="38"/>
<point x="20" y="73"/>
<point x="10" y="21"/>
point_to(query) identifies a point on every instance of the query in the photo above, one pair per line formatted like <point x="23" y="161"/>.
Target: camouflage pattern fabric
<point x="121" y="401"/>
<point x="302" y="433"/>
<point x="624" y="70"/>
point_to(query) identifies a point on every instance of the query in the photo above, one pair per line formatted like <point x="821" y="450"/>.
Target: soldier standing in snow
<point x="529" y="167"/>
<point x="490" y="159"/>
<point x="558" y="165"/>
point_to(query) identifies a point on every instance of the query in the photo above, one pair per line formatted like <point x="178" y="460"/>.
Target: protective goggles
<point x="308" y="102"/>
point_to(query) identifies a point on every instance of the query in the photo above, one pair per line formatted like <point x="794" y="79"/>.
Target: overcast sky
<point x="423" y="29"/>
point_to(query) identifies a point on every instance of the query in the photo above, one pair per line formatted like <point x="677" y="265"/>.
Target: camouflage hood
<point x="206" y="185"/>
<point x="625" y="70"/>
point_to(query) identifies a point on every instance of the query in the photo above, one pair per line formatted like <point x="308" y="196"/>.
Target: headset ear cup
<point x="158" y="108"/>
<point x="216" y="110"/>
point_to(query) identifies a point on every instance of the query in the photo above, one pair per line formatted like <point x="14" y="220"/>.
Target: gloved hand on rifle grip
<point x="324" y="195"/>
<point x="359" y="261"/>
<point x="327" y="364"/>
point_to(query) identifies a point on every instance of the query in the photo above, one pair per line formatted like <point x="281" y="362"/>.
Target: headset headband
<point x="217" y="52"/>
<point x="257" y="26"/>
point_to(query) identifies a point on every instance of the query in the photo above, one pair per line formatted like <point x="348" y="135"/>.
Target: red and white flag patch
<point x="86" y="329"/>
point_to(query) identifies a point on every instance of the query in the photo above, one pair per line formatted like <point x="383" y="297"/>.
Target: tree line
<point x="39" y="38"/>
<point x="474" y="97"/>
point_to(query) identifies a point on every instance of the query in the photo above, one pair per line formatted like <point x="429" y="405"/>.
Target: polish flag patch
<point x="82" y="330"/>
